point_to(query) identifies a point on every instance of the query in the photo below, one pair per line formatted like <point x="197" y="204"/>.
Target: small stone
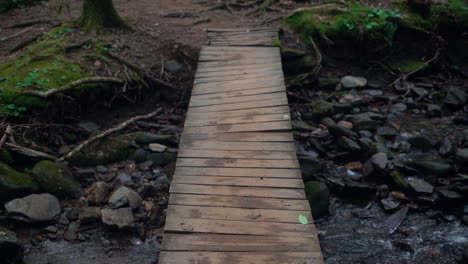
<point x="98" y="192"/>
<point x="101" y="169"/>
<point x="369" y="125"/>
<point x="155" y="147"/>
<point x="350" y="82"/>
<point x="173" y="66"/>
<point x="88" y="126"/>
<point x="462" y="154"/>
<point x="72" y="213"/>
<point x="51" y="229"/>
<point x="322" y="108"/>
<point x="399" y="107"/>
<point x="421" y="142"/>
<point x="348" y="144"/>
<point x="63" y="220"/>
<point x="346" y="124"/>
<point x="70" y="235"/>
<point x="379" y="160"/>
<point x="134" y="199"/>
<point x="433" y="110"/>
<point x="420" y="185"/>
<point x="302" y="125"/>
<point x="145" y="166"/>
<point x="456" y="97"/>
<point x="89" y="214"/>
<point x="123" y="196"/>
<point x="122" y="218"/>
<point x="337" y="131"/>
<point x="35" y="207"/>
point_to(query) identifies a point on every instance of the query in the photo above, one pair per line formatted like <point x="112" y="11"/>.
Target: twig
<point x="318" y="56"/>
<point x="30" y="152"/>
<point x="108" y="132"/>
<point x="15" y="35"/>
<point x="5" y="135"/>
<point x="140" y="70"/>
<point x="405" y="76"/>
<point x="73" y="85"/>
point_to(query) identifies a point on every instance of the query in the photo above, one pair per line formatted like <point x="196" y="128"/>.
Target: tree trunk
<point x="98" y="15"/>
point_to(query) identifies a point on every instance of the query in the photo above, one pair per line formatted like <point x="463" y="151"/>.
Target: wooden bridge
<point x="237" y="193"/>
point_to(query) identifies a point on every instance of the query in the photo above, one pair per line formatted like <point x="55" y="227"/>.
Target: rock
<point x="51" y="229"/>
<point x="35" y="207"/>
<point x="462" y="154"/>
<point x="140" y="155"/>
<point x="162" y="159"/>
<point x="348" y="144"/>
<point x="70" y="235"/>
<point x="399" y="180"/>
<point x="145" y="138"/>
<point x="14" y="184"/>
<point x="301" y="125"/>
<point x="101" y="169"/>
<point x="310" y="166"/>
<point x="72" y="213"/>
<point x="89" y="126"/>
<point x="369" y="125"/>
<point x="89" y="214"/>
<point x="379" y="161"/>
<point x="173" y="66"/>
<point x="446" y="148"/>
<point x="5" y="156"/>
<point x="145" y="166"/>
<point x="432" y="167"/>
<point x="399" y="107"/>
<point x="11" y="248"/>
<point x="456" y="98"/>
<point x="124" y="196"/>
<point x="57" y="179"/>
<point x="346" y="124"/>
<point x="98" y="192"/>
<point x="350" y="82"/>
<point x="433" y="110"/>
<point x="155" y="147"/>
<point x="420" y="185"/>
<point x="319" y="198"/>
<point x="109" y="150"/>
<point x="337" y="131"/>
<point x="322" y="108"/>
<point x="421" y="142"/>
<point x="448" y="194"/>
<point x="122" y="218"/>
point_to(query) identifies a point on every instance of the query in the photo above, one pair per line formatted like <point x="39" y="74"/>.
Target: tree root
<point x="29" y="152"/>
<point x="138" y="69"/>
<point x="15" y="35"/>
<point x="108" y="132"/>
<point x="74" y="84"/>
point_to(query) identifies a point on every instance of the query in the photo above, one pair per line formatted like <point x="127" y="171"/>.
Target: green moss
<point x="319" y="197"/>
<point x="399" y="180"/>
<point x="408" y="65"/>
<point x="355" y="23"/>
<point x="112" y="149"/>
<point x="56" y="179"/>
<point x="277" y="42"/>
<point x="14" y="184"/>
<point x="41" y="66"/>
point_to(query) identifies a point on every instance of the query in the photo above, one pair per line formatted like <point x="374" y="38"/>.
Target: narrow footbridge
<point x="237" y="196"/>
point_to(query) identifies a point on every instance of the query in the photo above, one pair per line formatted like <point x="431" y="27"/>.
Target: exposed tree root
<point x="15" y="35"/>
<point x="74" y="84"/>
<point x="29" y="152"/>
<point x="108" y="132"/>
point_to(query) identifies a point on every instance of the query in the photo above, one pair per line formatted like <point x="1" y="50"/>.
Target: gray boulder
<point x="34" y="208"/>
<point x="121" y="218"/>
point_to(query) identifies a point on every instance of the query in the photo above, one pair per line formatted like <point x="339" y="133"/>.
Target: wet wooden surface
<point x="237" y="192"/>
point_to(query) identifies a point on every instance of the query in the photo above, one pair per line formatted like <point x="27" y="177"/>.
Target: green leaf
<point x="463" y="175"/>
<point x="303" y="220"/>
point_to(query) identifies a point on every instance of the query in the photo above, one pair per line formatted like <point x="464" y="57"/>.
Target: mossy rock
<point x="57" y="179"/>
<point x="162" y="159"/>
<point x="147" y="138"/>
<point x="109" y="150"/>
<point x="322" y="108"/>
<point x="319" y="198"/>
<point x="14" y="184"/>
<point x="11" y="248"/>
<point x="399" y="180"/>
<point x="5" y="156"/>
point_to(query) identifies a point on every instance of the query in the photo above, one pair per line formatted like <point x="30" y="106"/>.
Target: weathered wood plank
<point x="237" y="163"/>
<point x="239" y="106"/>
<point x="250" y="76"/>
<point x="194" y="102"/>
<point x="266" y="90"/>
<point x="239" y="136"/>
<point x="172" y="257"/>
<point x="237" y="191"/>
<point x="283" y="109"/>
<point x="237" y="214"/>
<point x="240" y="181"/>
<point x="215" y="121"/>
<point x="250" y="127"/>
<point x="219" y="145"/>
<point x="239" y="172"/>
<point x="240" y="243"/>
<point x="237" y="154"/>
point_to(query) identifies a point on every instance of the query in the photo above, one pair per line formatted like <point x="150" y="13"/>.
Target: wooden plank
<point x="239" y="106"/>
<point x="239" y="202"/>
<point x="173" y="257"/>
<point x="212" y="96"/>
<point x="234" y="70"/>
<point x="237" y="163"/>
<point x="250" y="76"/>
<point x="259" y="62"/>
<point x="263" y="82"/>
<point x="240" y="243"/>
<point x="239" y="181"/>
<point x="239" y="137"/>
<point x="227" y="100"/>
<point x="240" y="113"/>
<point x="244" y="43"/>
<point x="177" y="224"/>
<point x="250" y="127"/>
<point x="260" y="33"/>
<point x="235" y="120"/>
<point x="231" y="154"/>
<point x="239" y="172"/>
<point x="237" y="214"/>
<point x="255" y="29"/>
<point x="237" y="191"/>
<point x="239" y="56"/>
<point x="236" y="48"/>
<point x="220" y="145"/>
